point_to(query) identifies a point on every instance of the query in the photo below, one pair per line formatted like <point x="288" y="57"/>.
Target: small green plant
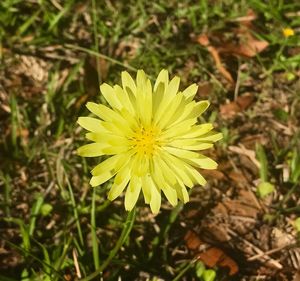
<point x="264" y="188"/>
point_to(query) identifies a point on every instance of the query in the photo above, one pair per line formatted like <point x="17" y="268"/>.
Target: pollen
<point x="145" y="140"/>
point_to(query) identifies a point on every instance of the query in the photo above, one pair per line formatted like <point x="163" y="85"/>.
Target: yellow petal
<point x="147" y="185"/>
<point x="173" y="87"/>
<point x="98" y="180"/>
<point x="169" y="95"/>
<point x="120" y="182"/>
<point x="128" y="82"/>
<point x="105" y="113"/>
<point x="211" y="136"/>
<point x="91" y="124"/>
<point x="140" y="164"/>
<point x="187" y="109"/>
<point x="167" y="173"/>
<point x="158" y="95"/>
<point x="178" y="113"/>
<point x="147" y="105"/>
<point x="203" y="162"/>
<point x="118" y="128"/>
<point x="132" y="121"/>
<point x="179" y="129"/>
<point x="182" y="153"/>
<point x="190" y="92"/>
<point x="144" y="98"/>
<point x="157" y="174"/>
<point x="110" y="95"/>
<point x="155" y="201"/>
<point x="141" y="80"/>
<point x="172" y="109"/>
<point x="106" y="165"/>
<point x="162" y="78"/>
<point x="198" y="130"/>
<point x="171" y="195"/>
<point x="111" y="163"/>
<point x="91" y="150"/>
<point x="132" y="193"/>
<point x="179" y="168"/>
<point x="182" y="192"/>
<point x="115" y="149"/>
<point x="198" y="109"/>
<point x="195" y="175"/>
<point x="190" y="144"/>
<point x="124" y="99"/>
<point x="104" y="137"/>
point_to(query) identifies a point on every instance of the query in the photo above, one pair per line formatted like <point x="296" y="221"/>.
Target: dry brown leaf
<point x="216" y="257"/>
<point x="214" y="174"/>
<point x="192" y="240"/>
<point x="204" y="41"/>
<point x="211" y="256"/>
<point x="231" y="109"/>
<point x="250" y="47"/>
<point x="205" y="90"/>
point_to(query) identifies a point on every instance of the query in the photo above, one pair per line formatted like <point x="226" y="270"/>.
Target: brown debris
<point x="204" y="41"/>
<point x="241" y="103"/>
<point x="210" y="256"/>
<point x="248" y="46"/>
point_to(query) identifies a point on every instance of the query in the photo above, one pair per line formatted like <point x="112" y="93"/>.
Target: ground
<point x="244" y="56"/>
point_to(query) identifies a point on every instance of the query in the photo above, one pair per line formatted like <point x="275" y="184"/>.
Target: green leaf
<point x="46" y="209"/>
<point x="264" y="189"/>
<point x="209" y="275"/>
<point x="262" y="158"/>
<point x="199" y="268"/>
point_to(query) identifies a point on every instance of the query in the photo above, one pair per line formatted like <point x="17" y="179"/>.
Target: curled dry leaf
<point x="211" y="256"/>
<point x="204" y="41"/>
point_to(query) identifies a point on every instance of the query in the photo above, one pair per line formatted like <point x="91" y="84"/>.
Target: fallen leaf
<point x="250" y="47"/>
<point x="241" y="103"/>
<point x="192" y="240"/>
<point x="211" y="256"/>
<point x="216" y="257"/>
<point x="215" y="174"/>
<point x="247" y="44"/>
<point x="205" y="90"/>
<point x="204" y="41"/>
<point x="229" y="110"/>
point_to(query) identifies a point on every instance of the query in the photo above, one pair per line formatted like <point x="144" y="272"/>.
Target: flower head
<point x="151" y="139"/>
<point x="288" y="32"/>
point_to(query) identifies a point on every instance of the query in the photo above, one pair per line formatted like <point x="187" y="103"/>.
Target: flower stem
<point x="122" y="239"/>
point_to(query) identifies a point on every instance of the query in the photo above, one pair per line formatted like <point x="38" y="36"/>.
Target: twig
<point x="267" y="253"/>
<point x="271" y="262"/>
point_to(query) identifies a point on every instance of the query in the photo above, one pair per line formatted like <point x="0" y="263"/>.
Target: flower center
<point x="146" y="140"/>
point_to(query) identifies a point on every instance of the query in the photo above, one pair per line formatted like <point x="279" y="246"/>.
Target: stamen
<point x="145" y="140"/>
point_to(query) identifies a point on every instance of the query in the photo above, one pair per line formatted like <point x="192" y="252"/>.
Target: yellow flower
<point x="151" y="138"/>
<point x="287" y="32"/>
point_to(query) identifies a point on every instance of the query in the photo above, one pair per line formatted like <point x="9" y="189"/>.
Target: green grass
<point x="48" y="210"/>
